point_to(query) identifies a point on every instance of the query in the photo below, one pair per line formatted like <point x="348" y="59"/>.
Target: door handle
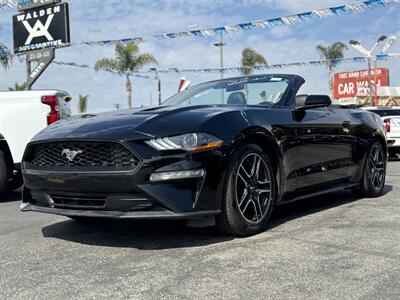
<point x="346" y="124"/>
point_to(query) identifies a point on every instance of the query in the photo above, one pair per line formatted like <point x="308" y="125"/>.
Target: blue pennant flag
<point x="374" y="3"/>
<point x="340" y="10"/>
<point x="306" y="16"/>
<point x="246" y="26"/>
<point x="276" y="22"/>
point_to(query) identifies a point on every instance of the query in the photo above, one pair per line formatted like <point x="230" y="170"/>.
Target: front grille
<point x="63" y="201"/>
<point x="81" y="155"/>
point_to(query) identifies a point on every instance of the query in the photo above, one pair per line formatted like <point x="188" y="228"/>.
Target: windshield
<point x="255" y="90"/>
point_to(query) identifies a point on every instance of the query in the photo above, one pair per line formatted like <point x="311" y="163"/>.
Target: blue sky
<point x="112" y="19"/>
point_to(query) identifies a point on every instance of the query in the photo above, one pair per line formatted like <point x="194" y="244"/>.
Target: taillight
<point x="54" y="114"/>
<point x="387" y="124"/>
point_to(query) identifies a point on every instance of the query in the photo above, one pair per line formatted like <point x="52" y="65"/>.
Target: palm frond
<point x="107" y="63"/>
<point x="323" y="51"/>
<point x="334" y="51"/>
<point x="250" y="59"/>
<point x="141" y="61"/>
<point x="5" y="56"/>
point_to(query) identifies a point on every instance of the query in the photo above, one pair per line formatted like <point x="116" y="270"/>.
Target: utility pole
<point x="158" y="82"/>
<point x="221" y="60"/>
<point x="221" y="53"/>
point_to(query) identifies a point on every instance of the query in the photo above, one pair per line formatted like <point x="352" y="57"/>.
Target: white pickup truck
<point x="22" y="115"/>
<point x="390" y="116"/>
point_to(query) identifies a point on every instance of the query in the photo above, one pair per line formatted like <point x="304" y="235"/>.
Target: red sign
<point x="355" y="83"/>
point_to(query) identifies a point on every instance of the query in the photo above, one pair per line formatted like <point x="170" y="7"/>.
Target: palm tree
<point x="250" y="59"/>
<point x="127" y="59"/>
<point x="82" y="104"/>
<point x="18" y="87"/>
<point x="5" y="56"/>
<point x="334" y="51"/>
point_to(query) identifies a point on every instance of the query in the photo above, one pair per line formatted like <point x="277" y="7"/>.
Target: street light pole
<point x="369" y="79"/>
<point x="158" y="82"/>
<point x="368" y="54"/>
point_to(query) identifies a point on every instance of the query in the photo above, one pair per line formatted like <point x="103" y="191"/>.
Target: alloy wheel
<point x="253" y="188"/>
<point x="376" y="167"/>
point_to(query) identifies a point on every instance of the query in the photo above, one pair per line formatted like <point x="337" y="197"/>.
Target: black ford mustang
<point x="223" y="152"/>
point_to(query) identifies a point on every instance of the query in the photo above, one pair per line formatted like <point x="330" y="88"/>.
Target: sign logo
<point x="70" y="154"/>
<point x="38" y="30"/>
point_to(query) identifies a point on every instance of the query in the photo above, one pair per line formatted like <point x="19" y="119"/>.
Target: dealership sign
<point x="43" y="27"/>
<point x="352" y="84"/>
<point x="29" y="4"/>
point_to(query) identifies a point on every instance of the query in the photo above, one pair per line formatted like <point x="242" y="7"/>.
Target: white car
<point x="22" y="115"/>
<point x="390" y="116"/>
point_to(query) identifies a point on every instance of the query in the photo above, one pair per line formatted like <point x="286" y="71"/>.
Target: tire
<point x="15" y="182"/>
<point x="373" y="181"/>
<point x="4" y="173"/>
<point x="248" y="195"/>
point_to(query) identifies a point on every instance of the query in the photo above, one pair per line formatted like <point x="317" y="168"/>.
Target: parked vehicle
<point x="22" y="115"/>
<point x="391" y="118"/>
<point x="223" y="152"/>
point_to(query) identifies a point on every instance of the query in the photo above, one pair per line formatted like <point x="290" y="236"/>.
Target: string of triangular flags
<point x="233" y="28"/>
<point x="333" y="62"/>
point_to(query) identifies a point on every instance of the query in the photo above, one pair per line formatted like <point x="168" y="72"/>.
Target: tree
<point x="334" y="51"/>
<point x="82" y="104"/>
<point x="5" y="56"/>
<point x="127" y="59"/>
<point x="250" y="59"/>
<point x="18" y="87"/>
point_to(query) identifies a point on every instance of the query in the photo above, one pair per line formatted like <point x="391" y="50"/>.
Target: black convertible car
<point x="223" y="152"/>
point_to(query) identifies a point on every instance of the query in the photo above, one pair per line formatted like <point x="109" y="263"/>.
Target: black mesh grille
<point x="78" y="202"/>
<point x="82" y="155"/>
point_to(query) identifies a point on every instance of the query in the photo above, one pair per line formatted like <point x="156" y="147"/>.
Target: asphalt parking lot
<point x="329" y="247"/>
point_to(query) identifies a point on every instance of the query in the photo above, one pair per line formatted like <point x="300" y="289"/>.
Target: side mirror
<point x="312" y="101"/>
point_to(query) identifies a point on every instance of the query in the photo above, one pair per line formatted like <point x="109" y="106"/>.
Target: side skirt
<point x="343" y="186"/>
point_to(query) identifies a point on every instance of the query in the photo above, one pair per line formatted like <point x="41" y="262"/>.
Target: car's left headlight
<point x="187" y="142"/>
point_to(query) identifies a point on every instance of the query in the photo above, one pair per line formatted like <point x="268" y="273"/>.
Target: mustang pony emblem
<point x="70" y="154"/>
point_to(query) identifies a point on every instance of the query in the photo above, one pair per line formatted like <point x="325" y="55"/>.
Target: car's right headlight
<point x="187" y="142"/>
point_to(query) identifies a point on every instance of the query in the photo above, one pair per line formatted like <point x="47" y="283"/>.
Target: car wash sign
<point x="355" y="83"/>
<point x="41" y="27"/>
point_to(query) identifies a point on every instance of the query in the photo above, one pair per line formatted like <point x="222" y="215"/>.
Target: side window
<point x="259" y="94"/>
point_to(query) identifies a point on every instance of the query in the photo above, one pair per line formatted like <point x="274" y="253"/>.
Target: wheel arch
<point x="382" y="140"/>
<point x="264" y="139"/>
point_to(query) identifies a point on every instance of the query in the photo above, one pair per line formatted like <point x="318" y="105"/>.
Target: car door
<point x="325" y="146"/>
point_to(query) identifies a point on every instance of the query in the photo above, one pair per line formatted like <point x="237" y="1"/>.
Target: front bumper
<point x="130" y="194"/>
<point x="163" y="214"/>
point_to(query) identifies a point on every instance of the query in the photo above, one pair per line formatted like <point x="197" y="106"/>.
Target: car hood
<point x="135" y="124"/>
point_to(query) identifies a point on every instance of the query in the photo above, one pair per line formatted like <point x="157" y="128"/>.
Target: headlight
<point x="188" y="142"/>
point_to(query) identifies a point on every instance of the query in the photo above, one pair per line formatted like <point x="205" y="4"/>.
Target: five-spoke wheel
<point x="373" y="180"/>
<point x="376" y="166"/>
<point x="249" y="193"/>
<point x="253" y="188"/>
